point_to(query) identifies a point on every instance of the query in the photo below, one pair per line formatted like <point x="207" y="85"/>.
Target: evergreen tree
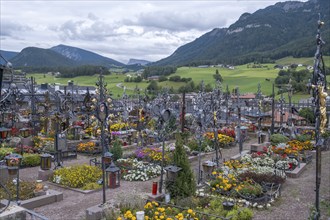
<point x="185" y="184"/>
<point x="217" y="76"/>
<point x="116" y="150"/>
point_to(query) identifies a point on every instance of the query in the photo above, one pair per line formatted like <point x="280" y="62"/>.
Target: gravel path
<point x="297" y="195"/>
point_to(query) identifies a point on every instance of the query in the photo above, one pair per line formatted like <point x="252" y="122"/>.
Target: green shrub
<point x="31" y="160"/>
<point x="188" y="202"/>
<point x="326" y="134"/>
<point x="237" y="213"/>
<point x="303" y="138"/>
<point x="245" y="214"/>
<point x="242" y="214"/>
<point x="4" y="151"/>
<point x="116" y="150"/>
<point x="194" y="145"/>
<point x="278" y="138"/>
<point x="70" y="137"/>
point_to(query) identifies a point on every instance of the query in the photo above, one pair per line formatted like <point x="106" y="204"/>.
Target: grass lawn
<point x="303" y="60"/>
<point x="245" y="78"/>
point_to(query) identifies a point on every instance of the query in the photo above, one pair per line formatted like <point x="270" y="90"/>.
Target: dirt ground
<point x="298" y="195"/>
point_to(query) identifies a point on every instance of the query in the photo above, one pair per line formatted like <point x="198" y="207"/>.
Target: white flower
<point x="281" y="145"/>
<point x="57" y="179"/>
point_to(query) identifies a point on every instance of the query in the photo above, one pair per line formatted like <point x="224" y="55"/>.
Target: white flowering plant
<point x="286" y="164"/>
<point x="134" y="170"/>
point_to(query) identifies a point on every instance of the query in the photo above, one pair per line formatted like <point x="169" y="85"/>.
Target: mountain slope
<point x="84" y="57"/>
<point x="7" y="55"/>
<point x="137" y="61"/>
<point x="286" y="28"/>
<point x="37" y="57"/>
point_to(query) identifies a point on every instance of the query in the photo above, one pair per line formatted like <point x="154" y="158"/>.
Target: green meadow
<point x="303" y="60"/>
<point x="245" y="77"/>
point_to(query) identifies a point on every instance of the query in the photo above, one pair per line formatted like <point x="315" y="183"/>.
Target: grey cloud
<point x="93" y="17"/>
<point x="176" y="21"/>
<point x="86" y="30"/>
<point x="11" y="29"/>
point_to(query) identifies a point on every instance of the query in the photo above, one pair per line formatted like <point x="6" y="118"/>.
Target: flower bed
<point x="78" y="176"/>
<point x="293" y="147"/>
<point x="227" y="131"/>
<point x="151" y="155"/>
<point x="86" y="147"/>
<point x="252" y="176"/>
<point x="118" y="126"/>
<point x="223" y="140"/>
<point x="191" y="208"/>
<point x="134" y="170"/>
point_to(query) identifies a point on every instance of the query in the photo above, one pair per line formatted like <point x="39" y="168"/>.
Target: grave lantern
<point x="107" y="157"/>
<point x="45" y="161"/>
<point x="76" y="131"/>
<point x="227" y="205"/>
<point x="113" y="176"/>
<point x="13" y="162"/>
<point x="208" y="167"/>
<point x="4" y="133"/>
<point x="172" y="172"/>
<point x="24" y="132"/>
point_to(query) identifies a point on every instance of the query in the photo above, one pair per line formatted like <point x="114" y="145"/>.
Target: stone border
<point x="13" y="212"/>
<point x="95" y="212"/>
<point x="74" y="189"/>
<point x="51" y="197"/>
<point x="297" y="171"/>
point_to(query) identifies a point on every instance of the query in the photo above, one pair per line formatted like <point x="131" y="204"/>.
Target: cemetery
<point x="77" y="153"/>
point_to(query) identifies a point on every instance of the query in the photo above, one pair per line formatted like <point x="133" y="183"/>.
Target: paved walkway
<point x="297" y="195"/>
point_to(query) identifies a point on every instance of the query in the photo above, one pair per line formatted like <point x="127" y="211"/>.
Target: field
<point x="304" y="60"/>
<point x="244" y="77"/>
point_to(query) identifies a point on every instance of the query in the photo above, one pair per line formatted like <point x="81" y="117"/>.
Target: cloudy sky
<point x="121" y="30"/>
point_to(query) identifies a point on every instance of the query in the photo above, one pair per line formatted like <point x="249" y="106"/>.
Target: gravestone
<point x="27" y="141"/>
<point x="62" y="142"/>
